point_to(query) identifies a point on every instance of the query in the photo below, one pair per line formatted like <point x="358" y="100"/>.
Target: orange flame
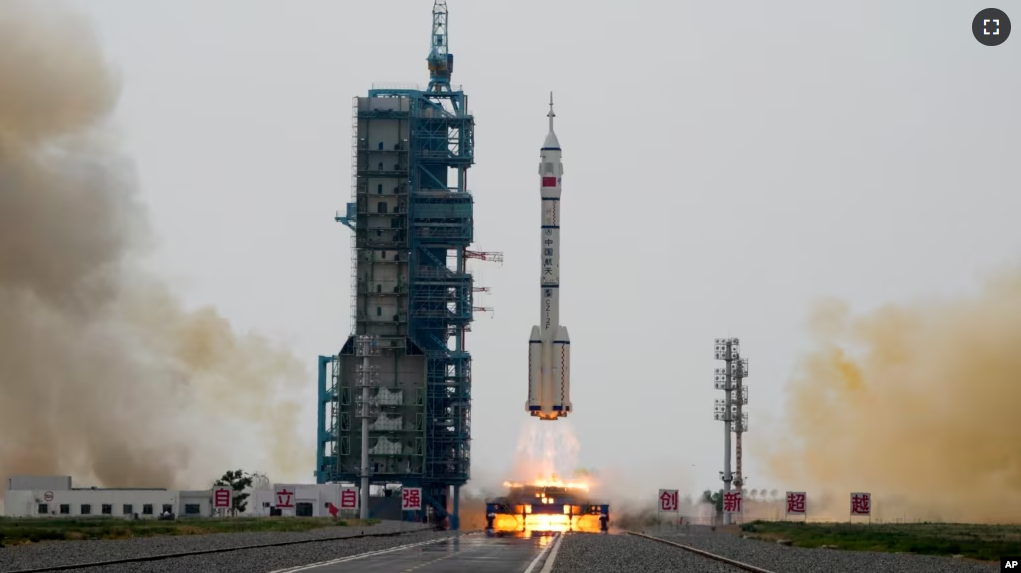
<point x="546" y="523"/>
<point x="552" y="481"/>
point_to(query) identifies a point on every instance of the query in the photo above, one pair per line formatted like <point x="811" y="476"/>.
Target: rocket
<point x="549" y="346"/>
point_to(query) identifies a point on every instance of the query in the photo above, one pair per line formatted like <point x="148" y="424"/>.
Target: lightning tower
<point x="729" y="409"/>
<point x="404" y="372"/>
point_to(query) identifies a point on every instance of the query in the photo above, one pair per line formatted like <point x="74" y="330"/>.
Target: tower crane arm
<point x="484" y="256"/>
<point x="441" y="61"/>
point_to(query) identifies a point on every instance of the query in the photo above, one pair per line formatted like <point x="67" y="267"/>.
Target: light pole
<point x="728" y="410"/>
<point x="368" y="377"/>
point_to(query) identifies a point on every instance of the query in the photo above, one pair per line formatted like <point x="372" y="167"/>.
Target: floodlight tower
<point x="739" y="398"/>
<point x="728" y="410"/>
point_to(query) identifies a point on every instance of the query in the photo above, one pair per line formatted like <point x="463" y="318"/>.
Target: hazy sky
<point x="725" y="168"/>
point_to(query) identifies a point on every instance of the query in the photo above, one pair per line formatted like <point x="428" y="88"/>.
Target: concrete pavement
<point x="463" y="554"/>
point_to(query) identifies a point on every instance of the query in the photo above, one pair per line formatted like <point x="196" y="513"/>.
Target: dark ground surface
<point x="981" y="542"/>
<point x="323" y="547"/>
<point x="18" y="531"/>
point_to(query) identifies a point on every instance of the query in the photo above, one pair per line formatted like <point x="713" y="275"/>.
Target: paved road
<point x="465" y="554"/>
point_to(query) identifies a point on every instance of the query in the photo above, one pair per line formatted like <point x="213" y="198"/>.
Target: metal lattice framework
<point x="730" y="379"/>
<point x="426" y="235"/>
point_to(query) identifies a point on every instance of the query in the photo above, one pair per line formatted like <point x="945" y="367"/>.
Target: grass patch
<point x="981" y="542"/>
<point x="14" y="531"/>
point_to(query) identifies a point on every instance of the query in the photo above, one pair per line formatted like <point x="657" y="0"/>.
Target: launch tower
<point x="411" y="293"/>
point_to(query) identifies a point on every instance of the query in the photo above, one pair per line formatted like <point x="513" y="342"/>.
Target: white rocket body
<point x="549" y="346"/>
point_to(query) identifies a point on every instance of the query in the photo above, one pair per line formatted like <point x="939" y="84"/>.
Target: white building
<point x="53" y="496"/>
<point x="309" y="500"/>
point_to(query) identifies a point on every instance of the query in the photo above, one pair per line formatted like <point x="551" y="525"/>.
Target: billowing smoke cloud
<point x="103" y="374"/>
<point x="916" y="404"/>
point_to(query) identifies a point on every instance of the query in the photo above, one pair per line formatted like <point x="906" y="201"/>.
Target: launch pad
<point x="545" y="507"/>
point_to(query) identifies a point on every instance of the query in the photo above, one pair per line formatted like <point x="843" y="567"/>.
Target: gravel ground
<point x="52" y="553"/>
<point x="590" y="553"/>
<point x="783" y="559"/>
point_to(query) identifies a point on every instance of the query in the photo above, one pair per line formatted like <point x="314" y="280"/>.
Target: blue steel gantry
<point x="412" y="217"/>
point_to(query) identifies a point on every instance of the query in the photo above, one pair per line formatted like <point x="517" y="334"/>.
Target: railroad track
<point x="178" y="555"/>
<point x="697" y="551"/>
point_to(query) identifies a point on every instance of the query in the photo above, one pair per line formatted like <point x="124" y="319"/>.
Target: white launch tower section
<point x="549" y="346"/>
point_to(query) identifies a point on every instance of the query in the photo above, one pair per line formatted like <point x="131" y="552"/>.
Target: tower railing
<point x="408" y="87"/>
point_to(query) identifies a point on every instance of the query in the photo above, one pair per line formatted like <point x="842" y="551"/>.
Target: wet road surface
<point x="465" y="554"/>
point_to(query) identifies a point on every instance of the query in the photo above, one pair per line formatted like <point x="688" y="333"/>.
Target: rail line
<point x="695" y="550"/>
<point x="163" y="556"/>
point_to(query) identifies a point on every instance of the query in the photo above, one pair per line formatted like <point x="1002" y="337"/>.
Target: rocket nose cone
<point x="562" y="334"/>
<point x="535" y="333"/>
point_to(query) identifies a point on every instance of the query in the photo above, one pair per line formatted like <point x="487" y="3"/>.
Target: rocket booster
<point x="549" y="346"/>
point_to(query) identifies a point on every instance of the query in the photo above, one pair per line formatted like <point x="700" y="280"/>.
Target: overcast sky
<point x="726" y="166"/>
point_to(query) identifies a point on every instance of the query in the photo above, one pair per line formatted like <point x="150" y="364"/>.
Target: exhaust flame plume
<point x="545" y="452"/>
<point x="916" y="404"/>
<point x="553" y="481"/>
<point x="103" y="375"/>
<point x="540" y="523"/>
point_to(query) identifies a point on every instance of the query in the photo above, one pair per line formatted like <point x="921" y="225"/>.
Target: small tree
<point x="715" y="498"/>
<point x="238" y="481"/>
